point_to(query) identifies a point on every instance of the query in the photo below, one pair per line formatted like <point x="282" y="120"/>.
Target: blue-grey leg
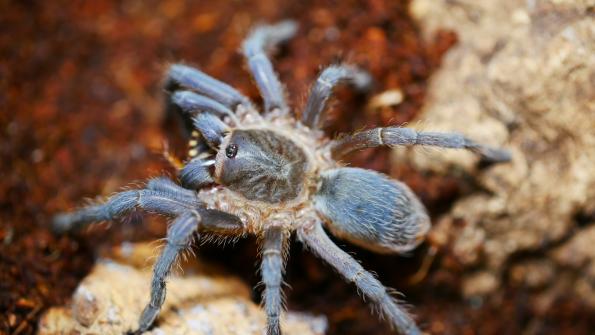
<point x="391" y="136"/>
<point x="211" y="128"/>
<point x="182" y="76"/>
<point x="255" y="46"/>
<point x="179" y="238"/>
<point x="271" y="270"/>
<point x="320" y="244"/>
<point x="195" y="174"/>
<point x="313" y="115"/>
<point x="159" y="201"/>
<point x="166" y="185"/>
<point x="192" y="103"/>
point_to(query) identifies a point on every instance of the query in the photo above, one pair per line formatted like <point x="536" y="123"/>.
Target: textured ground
<point x="202" y="300"/>
<point x="522" y="77"/>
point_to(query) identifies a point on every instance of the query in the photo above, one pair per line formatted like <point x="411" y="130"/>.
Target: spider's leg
<point x="271" y="270"/>
<point x="192" y="103"/>
<point x="182" y="76"/>
<point x="320" y="244"/>
<point x="211" y="128"/>
<point x="392" y="136"/>
<point x="254" y="48"/>
<point x="159" y="201"/>
<point x="313" y="115"/>
<point x="166" y="185"/>
<point x="179" y="237"/>
<point x="195" y="174"/>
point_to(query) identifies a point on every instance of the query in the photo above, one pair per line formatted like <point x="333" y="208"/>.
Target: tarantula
<point x="272" y="174"/>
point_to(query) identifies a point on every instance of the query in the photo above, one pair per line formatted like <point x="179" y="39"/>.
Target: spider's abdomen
<point x="371" y="210"/>
<point x="261" y="165"/>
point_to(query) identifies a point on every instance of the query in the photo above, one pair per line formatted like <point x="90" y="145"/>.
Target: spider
<point x="272" y="175"/>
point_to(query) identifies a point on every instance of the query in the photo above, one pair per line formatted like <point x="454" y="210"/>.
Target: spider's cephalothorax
<point x="261" y="165"/>
<point x="272" y="174"/>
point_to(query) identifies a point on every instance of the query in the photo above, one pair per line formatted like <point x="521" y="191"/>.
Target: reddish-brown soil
<point x="81" y="116"/>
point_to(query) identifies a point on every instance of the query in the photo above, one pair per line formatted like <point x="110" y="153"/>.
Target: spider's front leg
<point x="185" y="77"/>
<point x="193" y="104"/>
<point x="271" y="269"/>
<point x="179" y="238"/>
<point x="193" y="92"/>
<point x="161" y="195"/>
<point x="320" y="244"/>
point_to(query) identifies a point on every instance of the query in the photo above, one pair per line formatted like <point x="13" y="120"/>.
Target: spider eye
<point x="231" y="151"/>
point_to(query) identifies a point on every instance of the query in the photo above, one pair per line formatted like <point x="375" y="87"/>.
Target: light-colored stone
<point x="522" y="77"/>
<point x="477" y="284"/>
<point x="110" y="300"/>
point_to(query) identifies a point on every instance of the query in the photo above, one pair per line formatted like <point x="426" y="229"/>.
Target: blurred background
<point x="82" y="115"/>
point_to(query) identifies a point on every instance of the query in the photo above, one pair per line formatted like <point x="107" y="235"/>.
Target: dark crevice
<point x="582" y="220"/>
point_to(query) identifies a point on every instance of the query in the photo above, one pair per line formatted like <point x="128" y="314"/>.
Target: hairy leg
<point x="182" y="76"/>
<point x="195" y="174"/>
<point x="179" y="237"/>
<point x="392" y="136"/>
<point x="254" y="48"/>
<point x="322" y="89"/>
<point x="211" y="128"/>
<point x="271" y="270"/>
<point x="161" y="196"/>
<point x="168" y="203"/>
<point x="192" y="103"/>
<point x="320" y="244"/>
<point x="166" y="185"/>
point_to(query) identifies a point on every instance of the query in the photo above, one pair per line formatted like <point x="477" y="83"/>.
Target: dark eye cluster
<point x="231" y="151"/>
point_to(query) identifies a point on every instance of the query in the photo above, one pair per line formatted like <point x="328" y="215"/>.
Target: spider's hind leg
<point x="320" y="244"/>
<point x="393" y="136"/>
<point x="322" y="89"/>
<point x="271" y="270"/>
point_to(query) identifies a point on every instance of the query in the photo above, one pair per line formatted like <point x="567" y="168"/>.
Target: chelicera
<point x="272" y="174"/>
